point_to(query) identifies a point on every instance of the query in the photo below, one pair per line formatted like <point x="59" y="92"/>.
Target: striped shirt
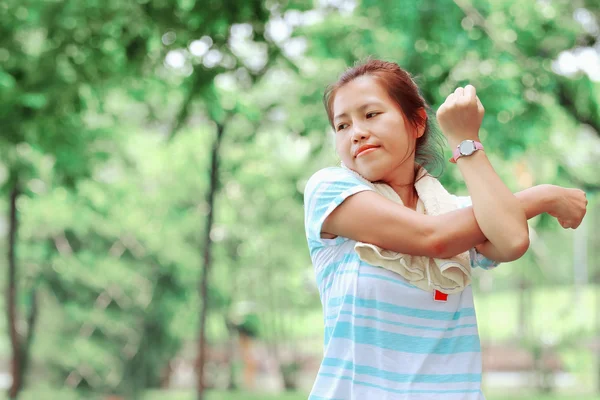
<point x="384" y="338"/>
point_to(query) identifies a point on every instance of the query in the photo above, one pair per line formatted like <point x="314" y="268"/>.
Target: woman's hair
<point x="404" y="91"/>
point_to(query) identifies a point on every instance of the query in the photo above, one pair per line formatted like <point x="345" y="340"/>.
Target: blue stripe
<point x="313" y="397"/>
<point x="400" y="310"/>
<point x="400" y="378"/>
<point x="331" y="281"/>
<point x="313" y="246"/>
<point x="347" y="271"/>
<point x="310" y="218"/>
<point x="405" y="343"/>
<point x="385" y="278"/>
<point x="406" y="391"/>
<point x="362" y="264"/>
<point x="328" y="334"/>
<point x="328" y="286"/>
<point x="328" y="200"/>
<point x="321" y="172"/>
<point x="333" y="175"/>
<point x="387" y="321"/>
<point x="330" y="268"/>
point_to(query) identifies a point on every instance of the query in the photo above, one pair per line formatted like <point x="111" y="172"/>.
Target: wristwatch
<point x="465" y="148"/>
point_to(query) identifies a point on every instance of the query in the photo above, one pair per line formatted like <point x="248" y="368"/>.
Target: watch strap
<point x="456" y="154"/>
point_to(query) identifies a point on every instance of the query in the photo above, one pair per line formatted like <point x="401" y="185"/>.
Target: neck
<point x="404" y="185"/>
<point x="408" y="194"/>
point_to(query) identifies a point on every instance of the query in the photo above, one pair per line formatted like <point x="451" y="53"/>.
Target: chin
<point x="370" y="174"/>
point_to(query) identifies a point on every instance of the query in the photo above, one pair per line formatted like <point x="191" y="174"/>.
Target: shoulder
<point x="335" y="178"/>
<point x="329" y="174"/>
<point x="325" y="190"/>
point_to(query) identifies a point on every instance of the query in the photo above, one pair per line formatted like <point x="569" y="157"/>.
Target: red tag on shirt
<point x="439" y="296"/>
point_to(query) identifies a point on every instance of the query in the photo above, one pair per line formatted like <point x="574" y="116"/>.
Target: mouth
<point x="366" y="149"/>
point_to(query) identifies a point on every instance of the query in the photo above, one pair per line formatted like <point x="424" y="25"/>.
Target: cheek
<point x="342" y="146"/>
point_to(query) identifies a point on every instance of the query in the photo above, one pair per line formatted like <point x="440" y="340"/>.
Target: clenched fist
<point x="569" y="207"/>
<point x="460" y="115"/>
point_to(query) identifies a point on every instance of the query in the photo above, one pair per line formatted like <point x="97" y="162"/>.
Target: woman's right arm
<point x="371" y="218"/>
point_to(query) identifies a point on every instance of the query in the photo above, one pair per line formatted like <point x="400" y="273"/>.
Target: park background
<point x="153" y="157"/>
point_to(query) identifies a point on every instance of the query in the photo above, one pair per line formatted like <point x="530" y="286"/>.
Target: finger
<point x="440" y="110"/>
<point x="470" y="92"/>
<point x="459" y="92"/>
<point x="480" y="107"/>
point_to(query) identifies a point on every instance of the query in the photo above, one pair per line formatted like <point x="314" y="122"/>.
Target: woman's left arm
<point x="568" y="206"/>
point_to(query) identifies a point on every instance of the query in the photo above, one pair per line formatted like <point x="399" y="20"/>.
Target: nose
<point x="360" y="134"/>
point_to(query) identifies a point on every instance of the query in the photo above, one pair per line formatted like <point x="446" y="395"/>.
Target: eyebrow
<point x="364" y="106"/>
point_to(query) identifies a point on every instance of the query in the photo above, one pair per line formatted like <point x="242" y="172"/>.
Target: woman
<point x="385" y="338"/>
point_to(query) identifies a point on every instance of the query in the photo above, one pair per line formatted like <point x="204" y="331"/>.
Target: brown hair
<point x="404" y="91"/>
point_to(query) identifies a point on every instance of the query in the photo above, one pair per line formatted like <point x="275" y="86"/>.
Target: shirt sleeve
<point x="477" y="259"/>
<point x="324" y="191"/>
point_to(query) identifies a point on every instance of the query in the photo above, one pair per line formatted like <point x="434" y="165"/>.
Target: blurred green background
<point x="153" y="156"/>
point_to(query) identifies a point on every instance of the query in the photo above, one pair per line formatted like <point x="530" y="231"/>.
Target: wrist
<point x="550" y="198"/>
<point x="466" y="148"/>
<point x="455" y="142"/>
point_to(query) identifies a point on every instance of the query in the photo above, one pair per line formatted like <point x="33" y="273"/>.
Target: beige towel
<point x="447" y="276"/>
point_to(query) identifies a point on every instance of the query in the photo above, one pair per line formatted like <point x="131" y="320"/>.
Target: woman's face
<point x="371" y="135"/>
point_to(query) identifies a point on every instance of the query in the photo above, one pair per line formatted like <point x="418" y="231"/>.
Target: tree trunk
<point x="32" y="315"/>
<point x="233" y="339"/>
<point x="595" y="215"/>
<point x="524" y="309"/>
<point x="231" y="384"/>
<point x="11" y="303"/>
<point x="207" y="261"/>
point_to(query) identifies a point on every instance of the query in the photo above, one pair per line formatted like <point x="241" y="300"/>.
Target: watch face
<point x="467" y="148"/>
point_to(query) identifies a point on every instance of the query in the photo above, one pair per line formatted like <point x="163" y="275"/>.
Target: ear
<point x="420" y="128"/>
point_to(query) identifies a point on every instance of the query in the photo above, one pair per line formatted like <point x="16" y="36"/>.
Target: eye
<point x="372" y="114"/>
<point x="341" y="126"/>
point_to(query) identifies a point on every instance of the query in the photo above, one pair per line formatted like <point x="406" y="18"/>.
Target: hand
<point x="569" y="207"/>
<point x="460" y="115"/>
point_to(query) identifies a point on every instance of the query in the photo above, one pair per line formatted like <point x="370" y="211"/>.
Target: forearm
<point x="537" y="200"/>
<point x="498" y="212"/>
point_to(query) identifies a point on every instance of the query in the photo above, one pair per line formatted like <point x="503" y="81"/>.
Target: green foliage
<point x="111" y="144"/>
<point x="215" y="395"/>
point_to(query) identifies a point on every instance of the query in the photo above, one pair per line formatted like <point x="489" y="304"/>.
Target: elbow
<point x="436" y="246"/>
<point x="438" y="243"/>
<point x="520" y="246"/>
<point x="517" y="247"/>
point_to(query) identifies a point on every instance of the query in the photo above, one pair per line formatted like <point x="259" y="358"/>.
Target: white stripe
<point x="410" y="330"/>
<point x="332" y="313"/>
<point x="404" y="363"/>
<point x="402" y="385"/>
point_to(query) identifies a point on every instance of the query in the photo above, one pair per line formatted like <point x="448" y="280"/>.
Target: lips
<point x="365" y="148"/>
